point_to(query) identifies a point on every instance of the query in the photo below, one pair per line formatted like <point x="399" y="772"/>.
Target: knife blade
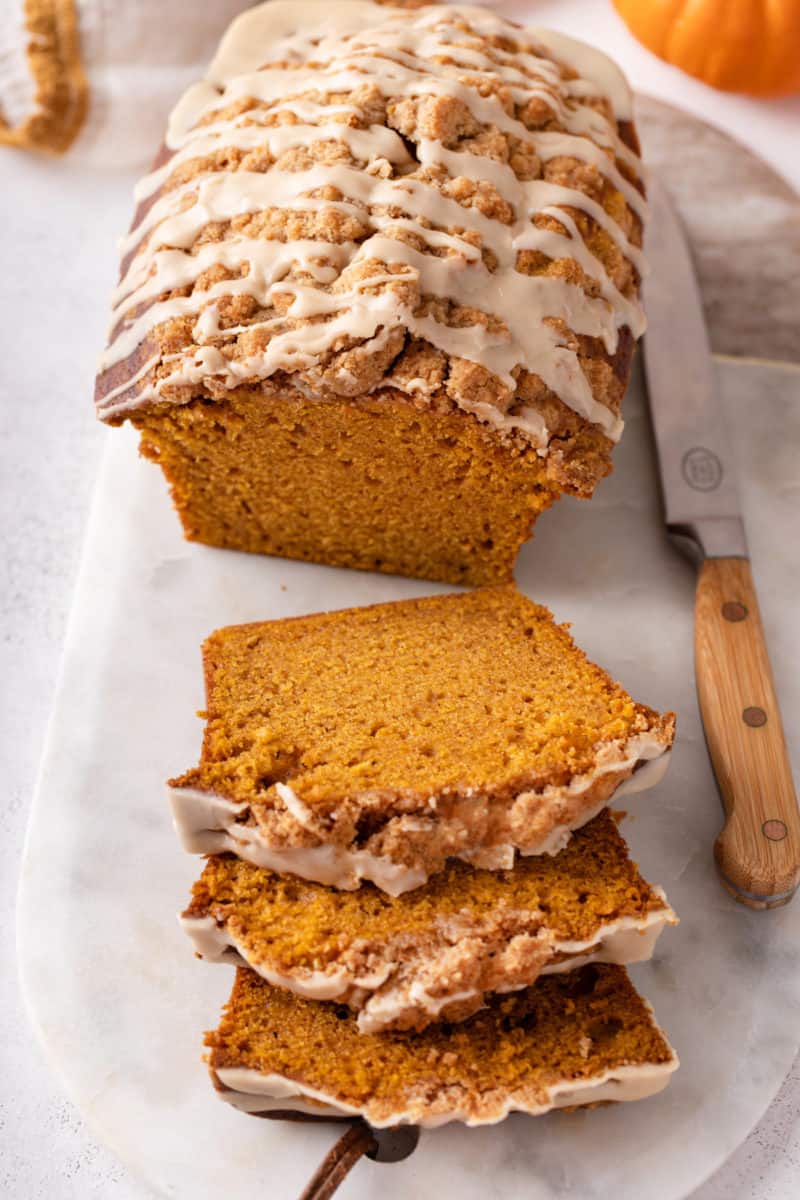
<point x="698" y="480"/>
<point x="758" y="850"/>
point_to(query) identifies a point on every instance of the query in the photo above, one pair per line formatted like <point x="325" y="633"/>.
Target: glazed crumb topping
<point x="480" y="693"/>
<point x="284" y="922"/>
<point x="372" y="210"/>
<point x="571" y="1026"/>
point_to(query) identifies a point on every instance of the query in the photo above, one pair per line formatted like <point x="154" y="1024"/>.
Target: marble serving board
<point x="120" y="1003"/>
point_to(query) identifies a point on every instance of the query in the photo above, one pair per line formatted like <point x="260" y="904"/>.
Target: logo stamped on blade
<point x="701" y="469"/>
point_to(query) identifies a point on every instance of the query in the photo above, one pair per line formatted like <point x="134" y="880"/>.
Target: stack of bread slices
<point x="412" y="865"/>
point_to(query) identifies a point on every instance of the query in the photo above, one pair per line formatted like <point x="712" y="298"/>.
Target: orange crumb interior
<point x="479" y="690"/>
<point x="329" y="481"/>
<point x="570" y="1026"/>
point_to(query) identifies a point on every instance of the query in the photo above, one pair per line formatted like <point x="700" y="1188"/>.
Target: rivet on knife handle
<point x="758" y="850"/>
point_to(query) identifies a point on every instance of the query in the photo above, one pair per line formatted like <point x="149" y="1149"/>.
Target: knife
<point x="758" y="850"/>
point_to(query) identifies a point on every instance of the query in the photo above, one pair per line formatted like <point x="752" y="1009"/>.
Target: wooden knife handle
<point x="758" y="850"/>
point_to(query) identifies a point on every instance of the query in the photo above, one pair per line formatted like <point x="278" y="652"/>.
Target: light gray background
<point x="53" y="303"/>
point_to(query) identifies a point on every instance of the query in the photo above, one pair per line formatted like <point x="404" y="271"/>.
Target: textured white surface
<point x="59" y="226"/>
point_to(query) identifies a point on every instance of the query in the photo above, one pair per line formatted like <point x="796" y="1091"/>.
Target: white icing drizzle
<point x="206" y="823"/>
<point x="265" y="56"/>
<point x="251" y="1091"/>
<point x="392" y="992"/>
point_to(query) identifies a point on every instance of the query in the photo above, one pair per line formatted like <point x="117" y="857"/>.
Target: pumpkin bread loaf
<point x="378" y="304"/>
<point x="581" y="1038"/>
<point x="433" y="953"/>
<point x="375" y="743"/>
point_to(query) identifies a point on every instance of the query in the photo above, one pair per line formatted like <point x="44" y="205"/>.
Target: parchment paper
<point x="110" y="980"/>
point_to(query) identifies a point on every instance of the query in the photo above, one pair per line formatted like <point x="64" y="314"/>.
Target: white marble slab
<point x="110" y="981"/>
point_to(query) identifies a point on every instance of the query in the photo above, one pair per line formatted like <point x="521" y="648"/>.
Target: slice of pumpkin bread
<point x="581" y="1038"/>
<point x="431" y="954"/>
<point x="376" y="743"/>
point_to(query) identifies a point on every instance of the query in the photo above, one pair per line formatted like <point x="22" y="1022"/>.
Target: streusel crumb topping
<point x="431" y="201"/>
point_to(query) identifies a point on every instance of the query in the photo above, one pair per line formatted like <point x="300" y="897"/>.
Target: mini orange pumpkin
<point x="737" y="45"/>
